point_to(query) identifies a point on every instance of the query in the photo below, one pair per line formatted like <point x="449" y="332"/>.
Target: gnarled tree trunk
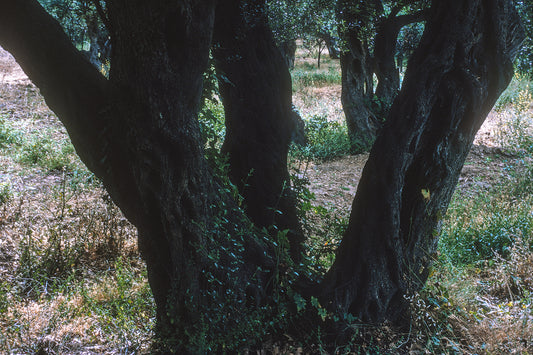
<point x="139" y="133"/>
<point x="357" y="81"/>
<point x="463" y="64"/>
<point x="387" y="73"/>
<point x="257" y="96"/>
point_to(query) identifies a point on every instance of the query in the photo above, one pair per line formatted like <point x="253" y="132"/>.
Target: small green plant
<point x="123" y="302"/>
<point x="8" y="135"/>
<point x="327" y="140"/>
<point x="6" y="193"/>
<point x="5" y="290"/>
<point x="48" y="154"/>
<point x="521" y="83"/>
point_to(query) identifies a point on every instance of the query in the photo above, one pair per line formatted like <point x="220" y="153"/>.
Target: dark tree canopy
<point x="225" y="252"/>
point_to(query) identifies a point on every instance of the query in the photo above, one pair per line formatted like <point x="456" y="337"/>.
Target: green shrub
<point x="8" y="135"/>
<point x="478" y="228"/>
<point x="6" y="193"/>
<point x="520" y="84"/>
<point x="48" y="154"/>
<point x="327" y="140"/>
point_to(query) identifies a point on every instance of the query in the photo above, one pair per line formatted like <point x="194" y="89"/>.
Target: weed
<point x="6" y="193"/>
<point x="327" y="140"/>
<point x="8" y="135"/>
<point x="48" y="154"/>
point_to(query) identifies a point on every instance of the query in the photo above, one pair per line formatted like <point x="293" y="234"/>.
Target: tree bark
<point x="464" y="62"/>
<point x="331" y="44"/>
<point x="357" y="82"/>
<point x="257" y="96"/>
<point x="387" y="73"/>
<point x="139" y="133"/>
<point x="288" y="52"/>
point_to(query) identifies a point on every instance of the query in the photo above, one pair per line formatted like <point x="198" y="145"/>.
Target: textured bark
<point x="357" y="84"/>
<point x="464" y="62"/>
<point x="139" y="133"/>
<point x="257" y="96"/>
<point x="331" y="44"/>
<point x="288" y="51"/>
<point x="387" y="73"/>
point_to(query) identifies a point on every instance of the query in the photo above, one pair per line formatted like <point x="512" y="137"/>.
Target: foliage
<point x="504" y="213"/>
<point x="493" y="232"/>
<point x="6" y="193"/>
<point x="8" y="135"/>
<point x="524" y="61"/>
<point x="311" y="20"/>
<point x="85" y="26"/>
<point x="516" y="93"/>
<point x="326" y="140"/>
<point x="49" y="154"/>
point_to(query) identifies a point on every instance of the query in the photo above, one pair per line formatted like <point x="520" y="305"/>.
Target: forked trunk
<point x="464" y="62"/>
<point x="387" y="73"/>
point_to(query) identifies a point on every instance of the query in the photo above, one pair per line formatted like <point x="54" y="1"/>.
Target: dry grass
<point x="72" y="281"/>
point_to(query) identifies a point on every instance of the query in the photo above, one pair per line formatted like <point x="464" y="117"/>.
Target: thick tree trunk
<point x="139" y="133"/>
<point x="357" y="94"/>
<point x="387" y="73"/>
<point x="257" y="96"/>
<point x="464" y="62"/>
<point x="357" y="82"/>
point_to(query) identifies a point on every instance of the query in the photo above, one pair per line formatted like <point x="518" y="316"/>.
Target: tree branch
<point x="72" y="87"/>
<point x="404" y="20"/>
<point x="102" y="13"/>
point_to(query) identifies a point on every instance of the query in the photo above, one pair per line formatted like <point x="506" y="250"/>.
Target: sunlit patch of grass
<point x="485" y="308"/>
<point x="484" y="226"/>
<point x="114" y="310"/>
<point x="315" y="78"/>
<point x="520" y="84"/>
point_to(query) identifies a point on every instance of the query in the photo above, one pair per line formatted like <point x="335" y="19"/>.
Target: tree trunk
<point x="288" y="52"/>
<point x="384" y="50"/>
<point x="357" y="95"/>
<point x="331" y="44"/>
<point x="139" y="133"/>
<point x="257" y="96"/>
<point x="357" y="82"/>
<point x="464" y="62"/>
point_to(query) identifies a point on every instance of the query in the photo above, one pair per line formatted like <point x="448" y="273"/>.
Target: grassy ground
<point x="72" y="281"/>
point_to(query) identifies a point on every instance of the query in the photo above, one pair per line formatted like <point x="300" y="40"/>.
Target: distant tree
<point x="369" y="33"/>
<point x="219" y="281"/>
<point x="313" y="21"/>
